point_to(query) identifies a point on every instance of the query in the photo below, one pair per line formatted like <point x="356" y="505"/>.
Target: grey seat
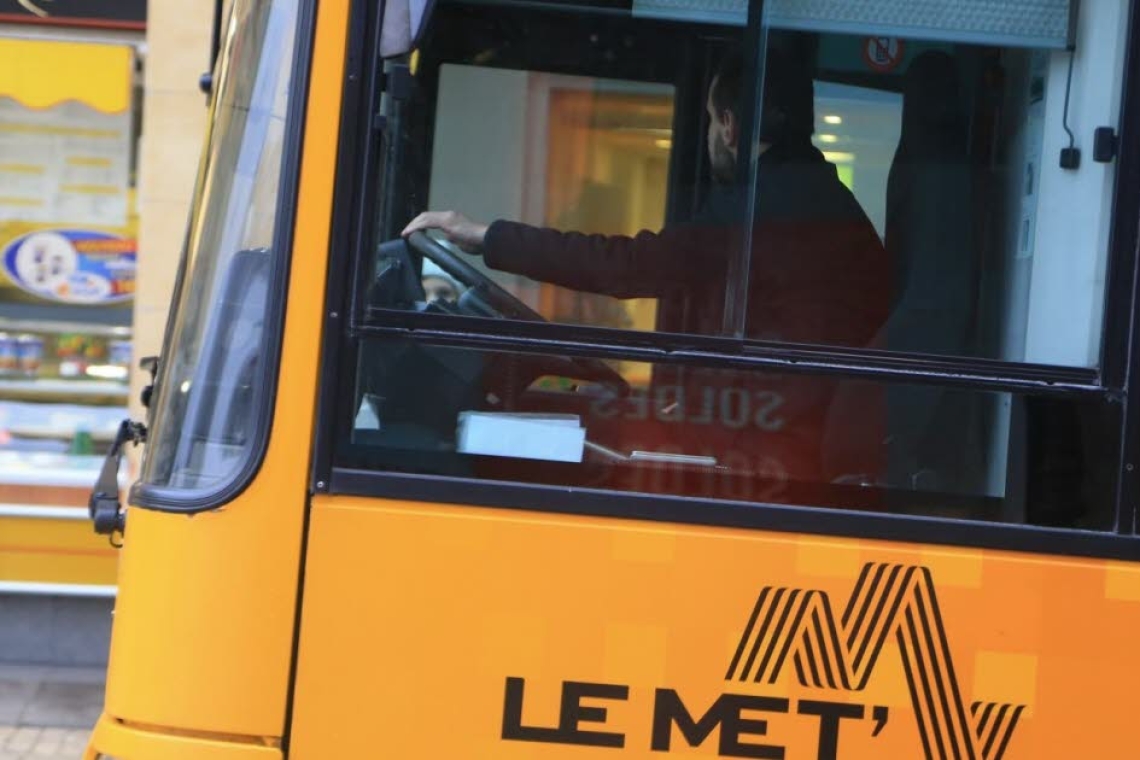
<point x="930" y="235"/>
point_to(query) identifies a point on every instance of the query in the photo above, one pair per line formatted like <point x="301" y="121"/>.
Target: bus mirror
<point x="404" y="21"/>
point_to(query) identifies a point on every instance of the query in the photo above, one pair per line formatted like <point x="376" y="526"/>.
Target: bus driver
<point x="818" y="271"/>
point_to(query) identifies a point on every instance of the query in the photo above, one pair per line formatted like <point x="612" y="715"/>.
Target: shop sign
<point x="73" y="266"/>
<point x="68" y="227"/>
<point x="115" y="14"/>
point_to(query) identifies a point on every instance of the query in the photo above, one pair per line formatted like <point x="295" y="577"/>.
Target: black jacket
<point x="819" y="273"/>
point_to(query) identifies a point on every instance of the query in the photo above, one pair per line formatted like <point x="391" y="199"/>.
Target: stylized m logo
<point x="798" y="626"/>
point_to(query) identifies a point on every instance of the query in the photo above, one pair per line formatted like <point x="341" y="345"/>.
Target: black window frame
<point x="1114" y="379"/>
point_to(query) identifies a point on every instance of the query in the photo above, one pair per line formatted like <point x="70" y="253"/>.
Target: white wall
<point x="478" y="163"/>
<point x="1067" y="277"/>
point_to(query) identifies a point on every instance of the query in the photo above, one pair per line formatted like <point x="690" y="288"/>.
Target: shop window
<point x="68" y="250"/>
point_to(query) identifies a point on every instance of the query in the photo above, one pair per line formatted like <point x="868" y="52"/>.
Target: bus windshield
<point x="213" y="395"/>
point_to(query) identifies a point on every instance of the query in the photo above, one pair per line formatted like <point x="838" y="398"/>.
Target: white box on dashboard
<point x="553" y="438"/>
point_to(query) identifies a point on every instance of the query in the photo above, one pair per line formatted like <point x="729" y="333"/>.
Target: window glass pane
<point x="537" y="122"/>
<point x="907" y="193"/>
<point x="993" y="249"/>
<point x="739" y="435"/>
<point x="210" y="404"/>
<point x="587" y="154"/>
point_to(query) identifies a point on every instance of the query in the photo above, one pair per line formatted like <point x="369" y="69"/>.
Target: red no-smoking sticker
<point x="883" y="54"/>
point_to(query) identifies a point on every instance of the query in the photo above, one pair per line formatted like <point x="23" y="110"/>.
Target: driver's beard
<point x="722" y="164"/>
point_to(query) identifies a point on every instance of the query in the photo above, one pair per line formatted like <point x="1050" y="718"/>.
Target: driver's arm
<point x="645" y="265"/>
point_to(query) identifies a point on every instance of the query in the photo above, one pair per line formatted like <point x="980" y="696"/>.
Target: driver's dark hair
<point x="789" y="112"/>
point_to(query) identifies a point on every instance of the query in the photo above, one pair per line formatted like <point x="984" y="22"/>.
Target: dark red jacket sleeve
<point x="645" y="265"/>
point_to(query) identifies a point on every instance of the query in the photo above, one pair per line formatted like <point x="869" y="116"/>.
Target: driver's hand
<point x="457" y="228"/>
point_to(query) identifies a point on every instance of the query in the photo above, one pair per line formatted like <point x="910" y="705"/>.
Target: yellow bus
<point x="758" y="384"/>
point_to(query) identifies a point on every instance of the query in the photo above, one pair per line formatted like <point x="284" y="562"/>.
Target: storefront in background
<point x="70" y="92"/>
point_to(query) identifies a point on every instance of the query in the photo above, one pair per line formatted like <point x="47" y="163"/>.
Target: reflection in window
<point x="739" y="435"/>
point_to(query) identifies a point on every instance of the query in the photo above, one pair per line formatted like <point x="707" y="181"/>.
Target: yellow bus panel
<point x="461" y="632"/>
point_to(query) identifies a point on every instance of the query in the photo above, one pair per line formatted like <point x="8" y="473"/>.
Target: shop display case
<point x="63" y="393"/>
<point x="68" y="253"/>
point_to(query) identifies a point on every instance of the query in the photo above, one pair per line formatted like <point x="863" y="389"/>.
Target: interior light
<point x="839" y="157"/>
<point x="832" y="119"/>
<point x="185" y="387"/>
<point x="663" y="144"/>
<point x="829" y="139"/>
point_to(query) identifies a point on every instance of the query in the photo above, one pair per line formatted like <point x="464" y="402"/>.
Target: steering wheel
<point x="487" y="298"/>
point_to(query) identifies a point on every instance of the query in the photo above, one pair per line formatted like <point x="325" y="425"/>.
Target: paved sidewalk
<point x="47" y="713"/>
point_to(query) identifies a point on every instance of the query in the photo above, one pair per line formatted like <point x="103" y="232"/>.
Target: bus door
<point x="757" y="389"/>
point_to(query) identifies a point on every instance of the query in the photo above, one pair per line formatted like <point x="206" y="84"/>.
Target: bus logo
<point x="797" y="628"/>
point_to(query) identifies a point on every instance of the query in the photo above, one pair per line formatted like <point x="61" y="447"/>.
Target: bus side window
<point x="902" y="203"/>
